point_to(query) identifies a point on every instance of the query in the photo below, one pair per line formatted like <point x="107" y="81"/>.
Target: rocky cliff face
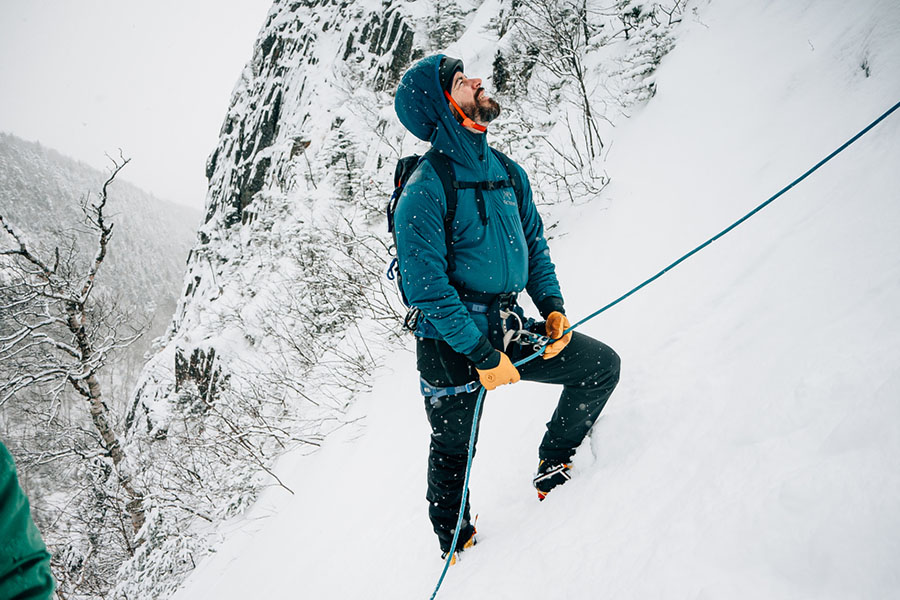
<point x="299" y="58"/>
<point x="298" y="141"/>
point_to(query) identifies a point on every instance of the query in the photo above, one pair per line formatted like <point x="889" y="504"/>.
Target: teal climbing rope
<point x="632" y="291"/>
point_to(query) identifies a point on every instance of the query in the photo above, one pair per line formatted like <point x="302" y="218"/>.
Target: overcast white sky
<point x="154" y="78"/>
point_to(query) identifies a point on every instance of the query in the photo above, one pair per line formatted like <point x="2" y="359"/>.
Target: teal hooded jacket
<point x="24" y="560"/>
<point x="508" y="254"/>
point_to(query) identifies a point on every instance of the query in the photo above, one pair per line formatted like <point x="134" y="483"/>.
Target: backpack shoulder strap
<point x="514" y="177"/>
<point x="444" y="169"/>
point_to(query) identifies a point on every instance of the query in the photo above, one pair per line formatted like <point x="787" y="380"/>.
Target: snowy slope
<point x="751" y="448"/>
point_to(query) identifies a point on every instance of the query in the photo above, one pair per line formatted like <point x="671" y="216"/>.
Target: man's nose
<point x="476" y="83"/>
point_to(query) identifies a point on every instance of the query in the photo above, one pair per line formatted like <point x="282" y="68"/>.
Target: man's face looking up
<point x="472" y="98"/>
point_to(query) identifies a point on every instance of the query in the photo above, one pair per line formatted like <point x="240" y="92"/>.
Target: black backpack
<point x="444" y="168"/>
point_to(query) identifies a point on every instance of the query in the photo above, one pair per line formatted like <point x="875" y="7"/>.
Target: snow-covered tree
<point x="58" y="334"/>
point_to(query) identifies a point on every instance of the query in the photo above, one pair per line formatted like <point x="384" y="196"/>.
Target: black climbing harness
<point x="507" y="325"/>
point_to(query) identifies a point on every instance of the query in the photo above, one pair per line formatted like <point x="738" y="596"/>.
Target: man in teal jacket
<point x="470" y="320"/>
<point x="24" y="560"/>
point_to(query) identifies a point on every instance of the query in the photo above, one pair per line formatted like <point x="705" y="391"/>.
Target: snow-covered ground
<point x="751" y="448"/>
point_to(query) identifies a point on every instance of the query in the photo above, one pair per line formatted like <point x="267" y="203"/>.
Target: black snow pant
<point x="587" y="369"/>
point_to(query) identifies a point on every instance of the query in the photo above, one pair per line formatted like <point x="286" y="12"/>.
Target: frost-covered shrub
<point x="567" y="69"/>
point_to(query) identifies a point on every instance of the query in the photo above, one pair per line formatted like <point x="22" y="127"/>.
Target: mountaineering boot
<point x="460" y="546"/>
<point x="550" y="474"/>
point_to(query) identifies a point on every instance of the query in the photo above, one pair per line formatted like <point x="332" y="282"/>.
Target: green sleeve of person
<point x="24" y="560"/>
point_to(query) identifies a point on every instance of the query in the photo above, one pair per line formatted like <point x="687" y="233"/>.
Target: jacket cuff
<point x="483" y="354"/>
<point x="550" y="304"/>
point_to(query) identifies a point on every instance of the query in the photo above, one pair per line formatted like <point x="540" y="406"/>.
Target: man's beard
<point x="485" y="110"/>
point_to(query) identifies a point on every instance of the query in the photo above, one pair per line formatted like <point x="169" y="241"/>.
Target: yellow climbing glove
<point x="556" y="324"/>
<point x="504" y="372"/>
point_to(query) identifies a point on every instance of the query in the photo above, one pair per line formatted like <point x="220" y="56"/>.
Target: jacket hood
<point x="421" y="107"/>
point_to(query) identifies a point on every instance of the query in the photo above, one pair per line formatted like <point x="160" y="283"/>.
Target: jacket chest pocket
<point x="503" y="205"/>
